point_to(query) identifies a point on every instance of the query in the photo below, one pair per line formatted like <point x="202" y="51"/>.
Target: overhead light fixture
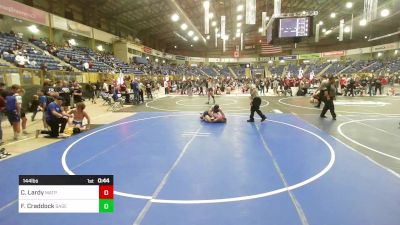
<point x="347" y="29"/>
<point x="260" y="30"/>
<point x="175" y="17"/>
<point x="349" y="5"/>
<point x="191" y="45"/>
<point x="206" y="4"/>
<point x="304" y="12"/>
<point x="195" y="38"/>
<point x="282" y="61"/>
<point x="184" y="26"/>
<point x="72" y="42"/>
<point x="100" y="48"/>
<point x="175" y="46"/>
<point x="226" y="38"/>
<point x="208" y="37"/>
<point x="238" y="34"/>
<point x="379" y="54"/>
<point x="239" y="8"/>
<point x="239" y="17"/>
<point x="270" y="62"/>
<point x="328" y="32"/>
<point x="33" y="29"/>
<point x="218" y="35"/>
<point x="363" y="22"/>
<point x="365" y="37"/>
<point x="238" y="30"/>
<point x="238" y="24"/>
<point x="324" y="30"/>
<point x="213" y="23"/>
<point x="210" y="16"/>
<point x="385" y="12"/>
<point x="396" y="52"/>
<point x="321" y="23"/>
<point x="333" y="15"/>
<point x="190" y="33"/>
<point x="259" y="41"/>
<point x="163" y="61"/>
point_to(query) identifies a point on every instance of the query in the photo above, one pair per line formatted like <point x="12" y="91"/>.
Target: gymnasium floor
<point x="171" y="168"/>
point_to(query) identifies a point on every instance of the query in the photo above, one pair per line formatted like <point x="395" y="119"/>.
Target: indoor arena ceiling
<point x="151" y="19"/>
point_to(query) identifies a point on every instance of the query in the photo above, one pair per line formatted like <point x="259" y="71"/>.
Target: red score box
<point x="106" y="192"/>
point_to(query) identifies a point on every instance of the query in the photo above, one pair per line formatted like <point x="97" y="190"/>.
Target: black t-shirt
<point x="65" y="93"/>
<point x="77" y="98"/>
<point x="5" y="93"/>
<point x="47" y="90"/>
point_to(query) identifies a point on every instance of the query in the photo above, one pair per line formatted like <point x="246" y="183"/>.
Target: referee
<point x="255" y="105"/>
<point x="328" y="97"/>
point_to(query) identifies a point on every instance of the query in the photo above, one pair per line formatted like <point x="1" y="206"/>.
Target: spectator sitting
<point x="79" y="115"/>
<point x="20" y="60"/>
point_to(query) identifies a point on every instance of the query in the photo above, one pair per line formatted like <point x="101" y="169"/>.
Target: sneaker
<point x="333" y="118"/>
<point x="25" y="132"/>
<point x="37" y="133"/>
<point x="250" y="120"/>
<point x="263" y="119"/>
<point x="323" y="116"/>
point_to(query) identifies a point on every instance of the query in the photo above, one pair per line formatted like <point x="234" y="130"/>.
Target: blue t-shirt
<point x="11" y="103"/>
<point x="52" y="106"/>
<point x="43" y="100"/>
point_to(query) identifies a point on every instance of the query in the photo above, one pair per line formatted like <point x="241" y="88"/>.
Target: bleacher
<point x="336" y="67"/>
<point x="209" y="71"/>
<point x="359" y="66"/>
<point x="11" y="43"/>
<point x="277" y="70"/>
<point x="317" y="68"/>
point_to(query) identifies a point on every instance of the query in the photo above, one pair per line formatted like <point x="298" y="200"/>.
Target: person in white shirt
<point x="20" y="60"/>
<point x="86" y="66"/>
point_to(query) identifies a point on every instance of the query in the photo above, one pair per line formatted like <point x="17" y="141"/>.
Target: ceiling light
<point x="347" y="29"/>
<point x="321" y="23"/>
<point x="396" y="51"/>
<point x="304" y="12"/>
<point x="213" y="23"/>
<point x="365" y="37"/>
<point x="385" y="12"/>
<point x="282" y="61"/>
<point x="260" y="30"/>
<point x="349" y="5"/>
<point x="218" y="35"/>
<point x="72" y="42"/>
<point x="324" y="30"/>
<point x="191" y="45"/>
<point x="379" y="54"/>
<point x="175" y="17"/>
<point x="270" y="62"/>
<point x="238" y="30"/>
<point x="210" y="16"/>
<point x="328" y="32"/>
<point x="33" y="29"/>
<point x="190" y="33"/>
<point x="175" y="46"/>
<point x="259" y="41"/>
<point x="239" y="17"/>
<point x="267" y="18"/>
<point x="363" y="22"/>
<point x="237" y="35"/>
<point x="195" y="38"/>
<point x="208" y="37"/>
<point x="206" y="4"/>
<point x="333" y="15"/>
<point x="184" y="26"/>
<point x="238" y="24"/>
<point x="239" y="8"/>
<point x="100" y="48"/>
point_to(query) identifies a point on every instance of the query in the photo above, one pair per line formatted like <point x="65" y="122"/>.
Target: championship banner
<point x="250" y="11"/>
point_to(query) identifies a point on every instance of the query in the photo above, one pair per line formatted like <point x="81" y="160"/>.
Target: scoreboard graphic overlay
<point x="66" y="194"/>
